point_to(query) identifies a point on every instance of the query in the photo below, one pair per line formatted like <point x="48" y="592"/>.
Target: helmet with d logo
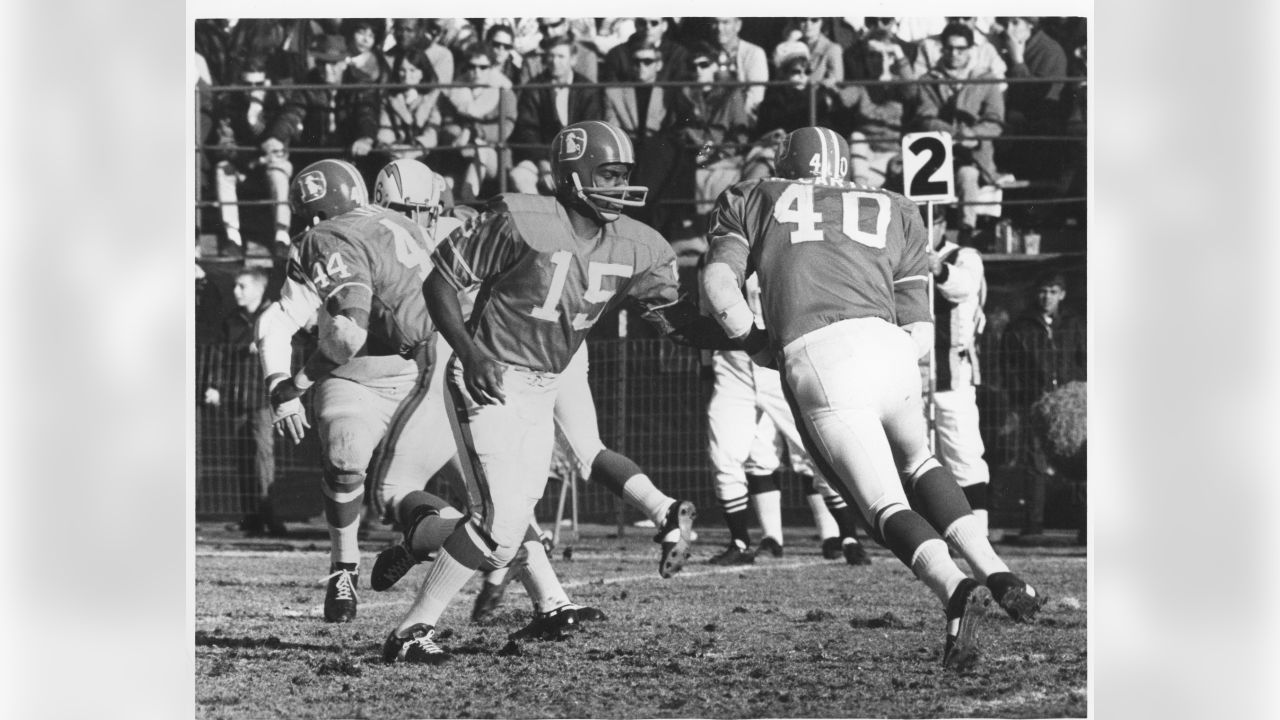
<point x="577" y="152"/>
<point x="326" y="189"/>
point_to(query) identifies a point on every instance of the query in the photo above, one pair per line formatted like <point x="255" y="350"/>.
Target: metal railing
<point x="502" y="145"/>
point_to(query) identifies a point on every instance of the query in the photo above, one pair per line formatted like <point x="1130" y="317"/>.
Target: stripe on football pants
<point x="479" y="501"/>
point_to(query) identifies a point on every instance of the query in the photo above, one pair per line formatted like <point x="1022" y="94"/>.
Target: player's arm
<point x="960" y="279"/>
<point x="724" y="275"/>
<point x="911" y="280"/>
<point x="657" y="293"/>
<point x="274" y="332"/>
<point x="483" y="247"/>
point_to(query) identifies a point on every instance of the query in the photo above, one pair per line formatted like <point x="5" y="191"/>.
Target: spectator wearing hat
<point x="319" y="123"/>
<point x="744" y="61"/>
<point x="826" y="59"/>
<point x="617" y="63"/>
<point x="1044" y="349"/>
<point x="786" y="108"/>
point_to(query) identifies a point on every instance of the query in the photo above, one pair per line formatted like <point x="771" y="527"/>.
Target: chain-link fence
<point x="651" y="397"/>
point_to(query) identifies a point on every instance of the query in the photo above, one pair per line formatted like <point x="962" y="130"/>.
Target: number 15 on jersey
<point x="928" y="168"/>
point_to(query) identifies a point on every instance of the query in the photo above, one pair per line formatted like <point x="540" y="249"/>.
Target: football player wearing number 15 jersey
<point x="843" y="274"/>
<point x="547" y="269"/>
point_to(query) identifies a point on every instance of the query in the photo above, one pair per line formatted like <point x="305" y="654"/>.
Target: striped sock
<point x="933" y="565"/>
<point x="735" y="516"/>
<point x="968" y="536"/>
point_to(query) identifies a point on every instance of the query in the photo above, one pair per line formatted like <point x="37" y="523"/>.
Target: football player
<point x="745" y="415"/>
<point x="843" y="273"/>
<point x="548" y="268"/>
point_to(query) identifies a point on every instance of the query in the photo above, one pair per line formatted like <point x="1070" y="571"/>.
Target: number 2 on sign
<point x="795" y="205"/>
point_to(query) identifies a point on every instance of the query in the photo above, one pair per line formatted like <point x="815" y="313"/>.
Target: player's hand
<point x="361" y="147"/>
<point x="212" y="397"/>
<point x="935" y="263"/>
<point x="290" y="420"/>
<point x="284" y="391"/>
<point x="482" y="376"/>
<point x="756" y="344"/>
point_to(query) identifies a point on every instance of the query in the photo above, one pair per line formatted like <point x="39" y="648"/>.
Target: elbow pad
<point x="725" y="300"/>
<point x="341" y="338"/>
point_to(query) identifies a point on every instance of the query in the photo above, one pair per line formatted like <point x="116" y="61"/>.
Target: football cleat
<point x="854" y="553"/>
<point x="419" y="647"/>
<point x="391" y="564"/>
<point x="340" y="598"/>
<point x="589" y="614"/>
<point x="831" y="549"/>
<point x="771" y="546"/>
<point x="488" y="601"/>
<point x="1012" y="593"/>
<point x="966" y="610"/>
<point x="734" y="555"/>
<point x="676" y="553"/>
<point x="552" y="625"/>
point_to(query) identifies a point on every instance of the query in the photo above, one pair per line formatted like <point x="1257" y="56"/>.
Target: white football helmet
<point x="410" y="187"/>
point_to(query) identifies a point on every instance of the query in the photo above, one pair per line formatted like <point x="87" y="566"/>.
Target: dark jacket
<point x="786" y="107"/>
<point x="537" y="122"/>
<point x="305" y="119"/>
<point x="1040" y="358"/>
<point x="233" y="368"/>
<point x="1036" y="102"/>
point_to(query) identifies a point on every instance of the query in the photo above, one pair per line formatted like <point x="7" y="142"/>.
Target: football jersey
<point x="541" y="289"/>
<point x="374" y="260"/>
<point x="824" y="252"/>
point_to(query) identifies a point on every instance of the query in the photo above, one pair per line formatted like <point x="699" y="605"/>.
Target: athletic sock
<point x="735" y="516"/>
<point x="826" y="522"/>
<point x="968" y="537"/>
<point x="344" y="543"/>
<point x="343" y="496"/>
<point x="978" y="495"/>
<point x="445" y="579"/>
<point x="932" y="563"/>
<point x="540" y="581"/>
<point x="767" y="499"/>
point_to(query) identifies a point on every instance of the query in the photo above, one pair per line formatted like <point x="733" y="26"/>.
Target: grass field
<point x="797" y="636"/>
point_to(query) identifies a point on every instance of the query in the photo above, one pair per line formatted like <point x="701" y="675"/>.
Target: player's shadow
<point x="207" y="639"/>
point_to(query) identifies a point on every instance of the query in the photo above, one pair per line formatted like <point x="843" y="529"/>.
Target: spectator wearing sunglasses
<point x="483" y="115"/>
<point x="651" y="117"/>
<point x="826" y="59"/>
<point x="716" y="128"/>
<point x="501" y="38"/>
<point x="653" y="30"/>
<point x="985" y="56"/>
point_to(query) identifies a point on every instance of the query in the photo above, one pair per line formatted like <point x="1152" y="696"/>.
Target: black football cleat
<point x="966" y="611"/>
<point x="831" y="549"/>
<point x="419" y="647"/>
<point x="391" y="564"/>
<point x="1012" y="593"/>
<point x="551" y="625"/>
<point x="734" y="555"/>
<point x="770" y="546"/>
<point x="589" y="614"/>
<point x="340" y="597"/>
<point x="854" y="553"/>
<point x="488" y="601"/>
<point x="676" y="553"/>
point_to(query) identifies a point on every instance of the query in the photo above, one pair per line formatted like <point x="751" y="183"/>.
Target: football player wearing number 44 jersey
<point x="547" y="269"/>
<point x="843" y="273"/>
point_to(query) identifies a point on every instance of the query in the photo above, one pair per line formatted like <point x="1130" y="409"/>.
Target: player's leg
<point x="418" y="445"/>
<point x="762" y="482"/>
<point x="731" y="426"/>
<point x="278" y="173"/>
<point x="226" y="183"/>
<point x="351" y="420"/>
<point x="960" y="447"/>
<point x="508" y="449"/>
<point x="839" y="379"/>
<point x="846" y="543"/>
<point x="575" y="413"/>
<point x="554" y="612"/>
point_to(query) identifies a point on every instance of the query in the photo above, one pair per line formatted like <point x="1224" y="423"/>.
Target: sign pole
<point x="930" y="406"/>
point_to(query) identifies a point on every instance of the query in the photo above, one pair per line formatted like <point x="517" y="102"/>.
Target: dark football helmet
<point x="326" y="189"/>
<point x="577" y="151"/>
<point x="813" y="152"/>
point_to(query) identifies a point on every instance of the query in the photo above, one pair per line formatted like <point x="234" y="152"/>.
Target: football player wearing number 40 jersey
<point x="843" y="272"/>
<point x="547" y="269"/>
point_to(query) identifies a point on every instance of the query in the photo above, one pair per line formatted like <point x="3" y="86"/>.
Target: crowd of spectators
<point x="376" y="96"/>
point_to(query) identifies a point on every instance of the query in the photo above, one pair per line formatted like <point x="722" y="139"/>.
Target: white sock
<point x="933" y="565"/>
<point x="827" y="527"/>
<point x="982" y="518"/>
<point x="640" y="491"/>
<point x="769" y="511"/>
<point x="968" y="537"/>
<point x="446" y="577"/>
<point x="344" y="543"/>
<point x="540" y="580"/>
